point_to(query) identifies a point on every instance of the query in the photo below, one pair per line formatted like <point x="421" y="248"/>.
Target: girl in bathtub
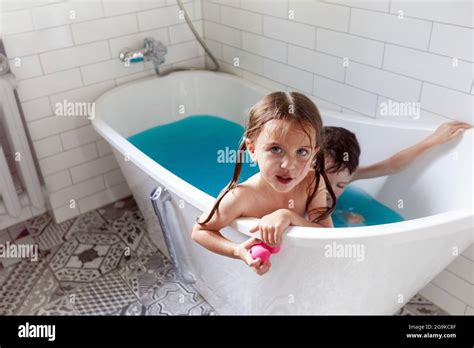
<point x="284" y="135"/>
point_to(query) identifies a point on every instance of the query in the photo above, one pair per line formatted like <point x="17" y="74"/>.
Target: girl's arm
<point x="209" y="235"/>
<point x="445" y="133"/>
<point x="298" y="220"/>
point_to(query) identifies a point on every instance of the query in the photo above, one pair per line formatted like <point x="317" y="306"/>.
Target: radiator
<point x="14" y="205"/>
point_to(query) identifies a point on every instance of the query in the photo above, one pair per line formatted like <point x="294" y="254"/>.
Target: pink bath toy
<point x="263" y="251"/>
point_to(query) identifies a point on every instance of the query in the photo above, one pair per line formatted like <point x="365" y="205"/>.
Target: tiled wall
<point x="67" y="50"/>
<point x="407" y="59"/>
<point x="426" y="56"/>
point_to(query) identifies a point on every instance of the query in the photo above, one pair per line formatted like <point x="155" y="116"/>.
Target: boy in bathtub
<point x="342" y="152"/>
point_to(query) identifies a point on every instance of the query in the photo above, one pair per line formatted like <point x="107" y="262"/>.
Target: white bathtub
<point x="399" y="259"/>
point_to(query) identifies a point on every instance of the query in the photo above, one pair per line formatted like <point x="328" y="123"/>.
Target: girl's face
<point x="284" y="159"/>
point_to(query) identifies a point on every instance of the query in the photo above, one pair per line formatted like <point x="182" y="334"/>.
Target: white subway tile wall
<point x="348" y="56"/>
<point x="374" y="49"/>
<point x="67" y="51"/>
<point x="352" y="56"/>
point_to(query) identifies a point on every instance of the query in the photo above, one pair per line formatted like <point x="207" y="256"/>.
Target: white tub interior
<point x="441" y="181"/>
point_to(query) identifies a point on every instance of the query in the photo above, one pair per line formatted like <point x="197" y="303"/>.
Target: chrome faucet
<point x="154" y="50"/>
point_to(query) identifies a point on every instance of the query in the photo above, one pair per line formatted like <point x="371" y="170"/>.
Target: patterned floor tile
<point x="146" y="247"/>
<point x="4" y="236"/>
<point x="103" y="297"/>
<point x="18" y="284"/>
<point x="88" y="222"/>
<point x="421" y="306"/>
<point x="37" y="224"/>
<point x="87" y="256"/>
<point x="42" y="293"/>
<point x="203" y="308"/>
<point x="135" y="308"/>
<point x="61" y="306"/>
<point x="406" y="310"/>
<point x="4" y="273"/>
<point x="115" y="210"/>
<point x="129" y="229"/>
<point x="52" y="235"/>
<point x="144" y="272"/>
<point x="171" y="298"/>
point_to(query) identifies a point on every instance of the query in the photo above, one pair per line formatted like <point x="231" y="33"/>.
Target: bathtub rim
<point x="204" y="201"/>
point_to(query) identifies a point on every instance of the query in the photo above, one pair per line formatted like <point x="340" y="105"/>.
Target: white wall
<point x="58" y="55"/>
<point x="407" y="59"/>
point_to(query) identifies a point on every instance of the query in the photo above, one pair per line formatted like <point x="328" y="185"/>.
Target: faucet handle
<point x="155" y="49"/>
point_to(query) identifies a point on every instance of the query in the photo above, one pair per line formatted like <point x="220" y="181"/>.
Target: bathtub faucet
<point x="153" y="51"/>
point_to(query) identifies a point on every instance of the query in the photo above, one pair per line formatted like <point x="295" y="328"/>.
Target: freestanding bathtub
<point x="358" y="270"/>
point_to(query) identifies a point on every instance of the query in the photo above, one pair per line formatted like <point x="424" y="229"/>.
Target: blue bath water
<point x="355" y="207"/>
<point x="201" y="150"/>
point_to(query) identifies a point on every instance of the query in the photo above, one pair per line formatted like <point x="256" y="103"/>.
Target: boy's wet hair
<point x="299" y="110"/>
<point x="342" y="146"/>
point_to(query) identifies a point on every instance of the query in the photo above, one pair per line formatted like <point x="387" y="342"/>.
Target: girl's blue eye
<point x="305" y="152"/>
<point x="276" y="149"/>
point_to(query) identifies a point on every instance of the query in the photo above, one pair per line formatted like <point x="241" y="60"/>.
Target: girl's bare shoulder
<point x="247" y="188"/>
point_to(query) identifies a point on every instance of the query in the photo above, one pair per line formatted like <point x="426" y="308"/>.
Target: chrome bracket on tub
<point x="160" y="198"/>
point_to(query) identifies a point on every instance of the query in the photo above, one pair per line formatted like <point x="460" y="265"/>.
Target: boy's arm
<point x="443" y="134"/>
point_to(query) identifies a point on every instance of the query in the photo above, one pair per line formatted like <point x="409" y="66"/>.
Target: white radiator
<point x="15" y="206"/>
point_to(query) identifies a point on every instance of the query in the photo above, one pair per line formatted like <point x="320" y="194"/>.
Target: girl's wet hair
<point x="292" y="107"/>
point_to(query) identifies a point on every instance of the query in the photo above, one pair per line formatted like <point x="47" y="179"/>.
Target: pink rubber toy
<point x="263" y="251"/>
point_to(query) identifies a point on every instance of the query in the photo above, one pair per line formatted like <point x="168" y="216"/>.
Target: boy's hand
<point x="272" y="227"/>
<point x="243" y="252"/>
<point x="447" y="132"/>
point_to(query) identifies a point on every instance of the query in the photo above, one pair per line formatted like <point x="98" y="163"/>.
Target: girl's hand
<point x="272" y="227"/>
<point x="447" y="132"/>
<point x="242" y="251"/>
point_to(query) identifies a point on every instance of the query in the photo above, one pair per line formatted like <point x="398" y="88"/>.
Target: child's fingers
<point x="460" y="125"/>
<point x="457" y="132"/>
<point x="263" y="235"/>
<point x="254" y="262"/>
<point x="266" y="236"/>
<point x="278" y="237"/>
<point x="254" y="229"/>
<point x="269" y="234"/>
<point x="463" y="126"/>
<point x="248" y="243"/>
<point x="264" y="268"/>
